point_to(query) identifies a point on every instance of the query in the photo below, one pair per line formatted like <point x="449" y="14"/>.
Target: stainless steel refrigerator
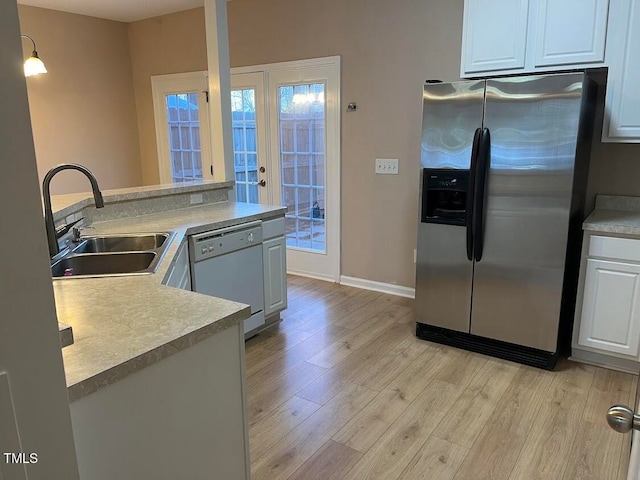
<point x="503" y="180"/>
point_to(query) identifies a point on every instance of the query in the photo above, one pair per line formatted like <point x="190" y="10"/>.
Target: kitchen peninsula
<point x="156" y="374"/>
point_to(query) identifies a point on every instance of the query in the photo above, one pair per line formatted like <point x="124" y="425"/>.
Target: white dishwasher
<point x="227" y="263"/>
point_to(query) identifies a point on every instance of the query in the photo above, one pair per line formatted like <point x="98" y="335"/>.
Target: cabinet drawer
<point x="273" y="228"/>
<point x="612" y="247"/>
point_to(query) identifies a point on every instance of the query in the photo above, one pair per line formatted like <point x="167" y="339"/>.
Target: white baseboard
<point x="389" y="288"/>
<point x="605" y="361"/>
<point x="301" y="273"/>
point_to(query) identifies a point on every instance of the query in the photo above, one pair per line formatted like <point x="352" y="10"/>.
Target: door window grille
<point x="245" y="148"/>
<point x="184" y="136"/>
<point x="302" y="160"/>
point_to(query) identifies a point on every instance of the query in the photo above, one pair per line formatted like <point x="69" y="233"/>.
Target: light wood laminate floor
<point x="342" y="389"/>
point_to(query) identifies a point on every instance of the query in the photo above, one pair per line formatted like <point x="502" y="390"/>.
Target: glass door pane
<point x="184" y="136"/>
<point x="245" y="145"/>
<point x="301" y="121"/>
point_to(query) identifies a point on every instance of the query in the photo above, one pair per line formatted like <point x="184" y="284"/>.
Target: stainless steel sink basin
<point x="112" y="255"/>
<point x="121" y="243"/>
<point x="104" y="264"/>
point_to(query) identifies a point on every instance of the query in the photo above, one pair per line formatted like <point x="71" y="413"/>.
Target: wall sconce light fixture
<point x="33" y="65"/>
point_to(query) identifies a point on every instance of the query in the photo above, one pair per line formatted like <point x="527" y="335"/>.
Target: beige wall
<point x="388" y="49"/>
<point x="173" y="43"/>
<point x="615" y="170"/>
<point x="83" y="110"/>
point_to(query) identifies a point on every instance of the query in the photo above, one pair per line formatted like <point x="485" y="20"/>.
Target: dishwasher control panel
<point x="218" y="242"/>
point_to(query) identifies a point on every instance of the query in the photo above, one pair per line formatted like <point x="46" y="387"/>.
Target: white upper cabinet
<point x="570" y="32"/>
<point x="622" y="105"/>
<point x="524" y="36"/>
<point x="494" y="35"/>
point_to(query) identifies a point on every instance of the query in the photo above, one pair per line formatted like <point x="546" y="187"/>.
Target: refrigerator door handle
<point x="470" y="192"/>
<point x="484" y="157"/>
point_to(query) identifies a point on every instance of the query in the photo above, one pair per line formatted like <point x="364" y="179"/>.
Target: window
<point x="245" y="145"/>
<point x="301" y="122"/>
<point x="184" y="136"/>
<point x="182" y="127"/>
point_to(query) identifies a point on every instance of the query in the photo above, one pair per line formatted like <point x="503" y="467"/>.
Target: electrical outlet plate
<point x="387" y="166"/>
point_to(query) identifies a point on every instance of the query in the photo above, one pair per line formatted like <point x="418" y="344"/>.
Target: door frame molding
<point x="634" y="463"/>
<point x="311" y="62"/>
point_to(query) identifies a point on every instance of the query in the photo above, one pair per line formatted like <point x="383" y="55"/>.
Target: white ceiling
<point x="121" y="10"/>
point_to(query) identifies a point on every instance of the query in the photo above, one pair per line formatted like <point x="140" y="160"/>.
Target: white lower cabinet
<point x="180" y="418"/>
<point x="607" y="322"/>
<point x="611" y="307"/>
<point x="274" y="258"/>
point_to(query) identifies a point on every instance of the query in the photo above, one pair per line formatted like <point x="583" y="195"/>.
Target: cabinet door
<point x="274" y="255"/>
<point x="622" y="103"/>
<point x="570" y="32"/>
<point x="611" y="307"/>
<point x="494" y="35"/>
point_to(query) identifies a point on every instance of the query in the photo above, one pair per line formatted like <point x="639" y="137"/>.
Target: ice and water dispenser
<point x="444" y="196"/>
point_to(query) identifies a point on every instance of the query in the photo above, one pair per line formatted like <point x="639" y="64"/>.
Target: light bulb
<point x="34" y="66"/>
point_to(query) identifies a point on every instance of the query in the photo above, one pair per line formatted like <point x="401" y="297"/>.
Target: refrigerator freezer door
<point x="517" y="288"/>
<point x="444" y="277"/>
<point x="451" y="115"/>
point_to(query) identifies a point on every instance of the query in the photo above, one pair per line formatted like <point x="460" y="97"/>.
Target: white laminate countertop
<point x="62" y="205"/>
<point x="615" y="215"/>
<point x="123" y="324"/>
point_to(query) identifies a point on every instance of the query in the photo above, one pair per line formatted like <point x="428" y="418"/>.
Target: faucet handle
<point x="64" y="229"/>
<point x="75" y="237"/>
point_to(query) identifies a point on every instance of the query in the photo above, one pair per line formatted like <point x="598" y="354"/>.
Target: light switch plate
<point x="387" y="166"/>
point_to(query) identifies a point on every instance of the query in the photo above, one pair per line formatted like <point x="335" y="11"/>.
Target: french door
<point x="298" y="165"/>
